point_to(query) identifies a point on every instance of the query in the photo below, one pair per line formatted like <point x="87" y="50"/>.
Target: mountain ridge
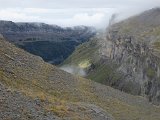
<point x="53" y="43"/>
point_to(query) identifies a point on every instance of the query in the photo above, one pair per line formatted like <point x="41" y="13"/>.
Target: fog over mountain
<point x="71" y="12"/>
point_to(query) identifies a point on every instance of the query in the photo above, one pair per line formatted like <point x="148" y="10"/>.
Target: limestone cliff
<point x="126" y="56"/>
<point x="133" y="45"/>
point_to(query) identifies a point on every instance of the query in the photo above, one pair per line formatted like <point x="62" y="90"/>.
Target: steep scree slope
<point x="33" y="89"/>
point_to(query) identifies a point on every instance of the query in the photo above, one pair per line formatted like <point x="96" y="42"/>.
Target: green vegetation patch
<point x="84" y="64"/>
<point x="104" y="73"/>
<point x="151" y="72"/>
<point x="157" y="45"/>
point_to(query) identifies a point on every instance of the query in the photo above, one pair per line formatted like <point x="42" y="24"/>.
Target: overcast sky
<point x="72" y="12"/>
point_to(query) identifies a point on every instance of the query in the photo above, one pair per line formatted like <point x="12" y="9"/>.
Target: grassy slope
<point x="88" y="51"/>
<point x="85" y="51"/>
<point x="21" y="71"/>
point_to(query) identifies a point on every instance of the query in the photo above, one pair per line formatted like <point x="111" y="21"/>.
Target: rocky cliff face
<point x="126" y="56"/>
<point x="133" y="46"/>
<point x="51" y="42"/>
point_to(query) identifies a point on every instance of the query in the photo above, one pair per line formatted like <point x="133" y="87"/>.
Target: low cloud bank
<point x="74" y="70"/>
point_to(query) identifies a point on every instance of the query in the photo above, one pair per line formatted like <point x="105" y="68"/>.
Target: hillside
<point x="35" y="90"/>
<point x="126" y="57"/>
<point x="51" y="42"/>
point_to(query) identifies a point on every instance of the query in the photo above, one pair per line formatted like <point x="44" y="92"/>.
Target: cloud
<point x="71" y="12"/>
<point x="86" y="19"/>
<point x="75" y="70"/>
<point x="16" y="16"/>
<point x="94" y="19"/>
<point x="76" y="3"/>
<point x="63" y="17"/>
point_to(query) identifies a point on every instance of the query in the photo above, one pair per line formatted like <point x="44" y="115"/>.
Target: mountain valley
<point x="53" y="43"/>
<point x="111" y="75"/>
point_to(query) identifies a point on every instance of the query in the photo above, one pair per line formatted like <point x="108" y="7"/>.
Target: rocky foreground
<point x="33" y="89"/>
